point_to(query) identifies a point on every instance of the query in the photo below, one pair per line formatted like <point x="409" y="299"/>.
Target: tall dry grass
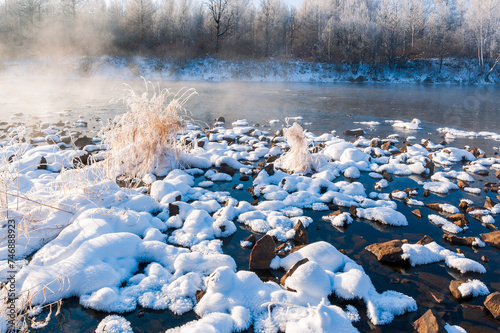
<point x="144" y="138"/>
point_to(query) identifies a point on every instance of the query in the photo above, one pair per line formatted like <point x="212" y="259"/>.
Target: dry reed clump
<point x="298" y="158"/>
<point x="143" y="140"/>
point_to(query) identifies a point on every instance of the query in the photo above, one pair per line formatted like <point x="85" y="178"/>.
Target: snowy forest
<point x="351" y="31"/>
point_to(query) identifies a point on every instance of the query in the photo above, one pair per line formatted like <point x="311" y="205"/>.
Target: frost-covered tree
<point x="482" y="19"/>
<point x="271" y="20"/>
<point x="138" y="19"/>
<point x="414" y="13"/>
<point x="390" y="21"/>
<point x="354" y="30"/>
<point x="438" y="31"/>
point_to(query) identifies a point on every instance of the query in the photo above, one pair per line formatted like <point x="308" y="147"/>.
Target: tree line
<point x="350" y="31"/>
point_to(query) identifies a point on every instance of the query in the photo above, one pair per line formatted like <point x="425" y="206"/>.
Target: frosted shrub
<point x="298" y="158"/>
<point x="143" y="140"/>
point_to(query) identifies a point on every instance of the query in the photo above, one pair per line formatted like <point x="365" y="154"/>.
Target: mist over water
<point x="325" y="106"/>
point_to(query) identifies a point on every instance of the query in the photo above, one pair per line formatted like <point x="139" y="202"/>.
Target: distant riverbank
<point x="430" y="71"/>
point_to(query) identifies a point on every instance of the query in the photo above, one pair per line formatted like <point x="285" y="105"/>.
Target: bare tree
<point x="222" y="17"/>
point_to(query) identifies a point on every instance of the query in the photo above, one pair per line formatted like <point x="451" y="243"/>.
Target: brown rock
<point x="355" y="132"/>
<point x="386" y="145"/>
<point x="262" y="253"/>
<point x="301" y="236"/>
<point x="269" y="169"/>
<point x="271" y="159"/>
<point x="410" y="191"/>
<point x="492" y="303"/>
<point x="173" y="209"/>
<point x="492" y="238"/>
<point x="199" y="295"/>
<point x="430" y="165"/>
<point x="430" y="322"/>
<point x="292" y="270"/>
<point x="479" y="217"/>
<point x="387" y="176"/>
<point x="455" y="240"/>
<point x="389" y="251"/>
<point x="463" y="205"/>
<point x="255" y="202"/>
<point x="376" y="143"/>
<point x="224" y="168"/>
<point x="244" y="178"/>
<point x="427" y="193"/>
<point x="425" y="240"/>
<point x="483" y="173"/>
<point x="491" y="227"/>
<point x="353" y="210"/>
<point x="417" y="213"/>
<point x="497" y="174"/>
<point x="329" y="217"/>
<point x="296" y="248"/>
<point x="461" y="184"/>
<point x="459" y="250"/>
<point x="459" y="219"/>
<point x="489" y="203"/>
<point x="454" y="284"/>
<point x="251" y="239"/>
<point x="485" y="259"/>
<point x="251" y="191"/>
<point x="435" y="207"/>
<point x="437" y="297"/>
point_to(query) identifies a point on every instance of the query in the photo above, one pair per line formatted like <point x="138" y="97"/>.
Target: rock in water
<point x="454" y="284"/>
<point x="355" y="132"/>
<point x="489" y="203"/>
<point x="492" y="303"/>
<point x="430" y="322"/>
<point x="459" y="219"/>
<point x="262" y="253"/>
<point x="301" y="237"/>
<point x="417" y="213"/>
<point x="492" y="238"/>
<point x="425" y="240"/>
<point x="455" y="240"/>
<point x="389" y="251"/>
<point x="224" y="168"/>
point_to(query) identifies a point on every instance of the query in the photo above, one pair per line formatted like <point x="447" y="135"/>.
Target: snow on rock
<point x="352" y="172"/>
<point x="425" y="254"/>
<point x="114" y="324"/>
<point x="413" y="125"/>
<point x="473" y="288"/>
<point x="445" y="224"/>
<point x="336" y="150"/>
<point x="383" y="215"/>
<point x="440" y="187"/>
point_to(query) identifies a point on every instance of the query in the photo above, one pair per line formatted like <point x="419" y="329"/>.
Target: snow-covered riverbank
<point x="89" y="236"/>
<point x="452" y="71"/>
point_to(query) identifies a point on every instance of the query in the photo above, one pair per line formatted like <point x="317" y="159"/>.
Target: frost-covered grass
<point x="143" y="140"/>
<point x="298" y="158"/>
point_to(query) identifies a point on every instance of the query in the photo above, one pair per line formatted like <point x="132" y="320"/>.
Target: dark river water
<point x="324" y="107"/>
